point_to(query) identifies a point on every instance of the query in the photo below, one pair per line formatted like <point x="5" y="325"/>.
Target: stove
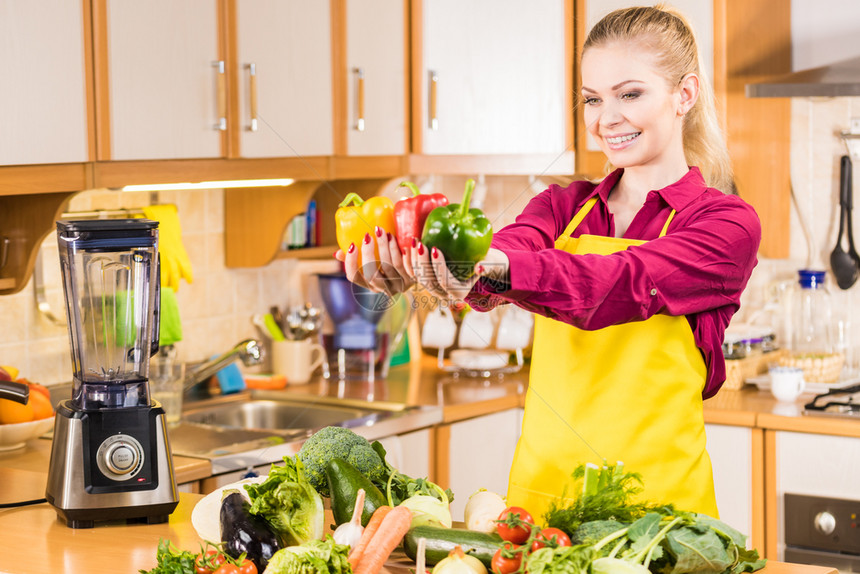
<point x="844" y="402"/>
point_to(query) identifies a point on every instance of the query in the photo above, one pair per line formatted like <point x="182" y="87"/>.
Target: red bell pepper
<point x="410" y="213"/>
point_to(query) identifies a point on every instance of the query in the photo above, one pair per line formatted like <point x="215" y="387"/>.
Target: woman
<point x="633" y="280"/>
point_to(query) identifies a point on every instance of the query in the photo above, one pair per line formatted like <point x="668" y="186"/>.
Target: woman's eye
<point x="630" y="95"/>
<point x="589" y="101"/>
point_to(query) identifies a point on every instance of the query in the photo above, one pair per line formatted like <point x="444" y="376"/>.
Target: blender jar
<point x="110" y="280"/>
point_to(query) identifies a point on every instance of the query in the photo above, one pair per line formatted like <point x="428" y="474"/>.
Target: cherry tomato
<point x="227" y="568"/>
<point x="552" y="537"/>
<point x="208" y="563"/>
<point x="515" y="524"/>
<point x="247" y="567"/>
<point x="506" y="560"/>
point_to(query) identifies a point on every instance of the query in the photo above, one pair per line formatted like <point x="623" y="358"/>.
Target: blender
<point x="110" y="457"/>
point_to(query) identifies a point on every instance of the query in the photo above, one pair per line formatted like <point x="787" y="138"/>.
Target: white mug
<point x="786" y="383"/>
<point x="297" y="359"/>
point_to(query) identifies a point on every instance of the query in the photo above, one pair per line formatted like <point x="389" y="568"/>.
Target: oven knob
<point x="825" y="522"/>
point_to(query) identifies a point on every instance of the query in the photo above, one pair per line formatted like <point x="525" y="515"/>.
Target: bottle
<point x="811" y="316"/>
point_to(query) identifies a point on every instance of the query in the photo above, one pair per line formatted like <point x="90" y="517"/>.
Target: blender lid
<point x="100" y="225"/>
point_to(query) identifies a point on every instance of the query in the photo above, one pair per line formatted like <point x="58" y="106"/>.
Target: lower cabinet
<point x="477" y="453"/>
<point x="730" y="448"/>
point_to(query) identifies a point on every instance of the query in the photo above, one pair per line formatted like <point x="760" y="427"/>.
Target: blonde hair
<point x="666" y="33"/>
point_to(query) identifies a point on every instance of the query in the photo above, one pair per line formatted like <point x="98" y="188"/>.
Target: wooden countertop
<point x="45" y="545"/>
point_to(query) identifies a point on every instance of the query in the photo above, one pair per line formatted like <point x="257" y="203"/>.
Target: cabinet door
<point x="376" y="69"/>
<point x="493" y="77"/>
<point x="481" y="452"/>
<point x="730" y="449"/>
<point x="163" y="81"/>
<point x="43" y="110"/>
<point x="409" y="453"/>
<point x="289" y="44"/>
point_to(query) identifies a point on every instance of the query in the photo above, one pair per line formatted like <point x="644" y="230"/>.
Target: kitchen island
<point x="36" y="542"/>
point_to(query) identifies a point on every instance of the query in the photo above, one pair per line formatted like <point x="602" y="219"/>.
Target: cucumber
<point x="344" y="481"/>
<point x="440" y="541"/>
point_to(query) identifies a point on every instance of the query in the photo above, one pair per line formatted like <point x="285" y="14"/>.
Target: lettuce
<point x="288" y="502"/>
<point x="314" y="557"/>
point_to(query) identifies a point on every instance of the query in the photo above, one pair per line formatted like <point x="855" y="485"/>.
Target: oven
<point x="822" y="531"/>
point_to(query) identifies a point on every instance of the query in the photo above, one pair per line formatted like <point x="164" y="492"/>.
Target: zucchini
<point x="440" y="541"/>
<point x="344" y="481"/>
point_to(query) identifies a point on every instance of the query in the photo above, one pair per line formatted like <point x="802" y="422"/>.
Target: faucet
<point x="249" y="351"/>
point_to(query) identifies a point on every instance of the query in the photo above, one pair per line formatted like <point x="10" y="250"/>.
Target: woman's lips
<point x="621" y="141"/>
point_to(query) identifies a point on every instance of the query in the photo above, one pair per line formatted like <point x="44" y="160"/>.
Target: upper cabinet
<point x="376" y="111"/>
<point x="43" y="103"/>
<point x="160" y="80"/>
<point x="491" y="77"/>
<point x="284" y="66"/>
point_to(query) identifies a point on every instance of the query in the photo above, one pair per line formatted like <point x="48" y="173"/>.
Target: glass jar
<point x="811" y="315"/>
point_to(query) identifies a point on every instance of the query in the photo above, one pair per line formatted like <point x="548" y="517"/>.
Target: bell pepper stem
<point x="351" y="198"/>
<point x="412" y="187"/>
<point x="467" y="198"/>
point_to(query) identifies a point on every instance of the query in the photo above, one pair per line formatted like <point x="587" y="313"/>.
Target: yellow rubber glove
<point x="175" y="264"/>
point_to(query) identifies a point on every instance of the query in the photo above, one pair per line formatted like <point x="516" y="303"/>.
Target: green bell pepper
<point x="462" y="234"/>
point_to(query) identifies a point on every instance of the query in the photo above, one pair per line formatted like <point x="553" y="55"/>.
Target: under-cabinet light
<point x="210" y="184"/>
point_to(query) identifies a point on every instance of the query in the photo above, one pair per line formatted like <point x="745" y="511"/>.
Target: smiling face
<point x="631" y="109"/>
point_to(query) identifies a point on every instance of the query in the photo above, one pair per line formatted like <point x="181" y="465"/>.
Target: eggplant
<point x="243" y="532"/>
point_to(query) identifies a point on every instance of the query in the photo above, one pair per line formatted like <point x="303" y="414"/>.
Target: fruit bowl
<point x="16" y="435"/>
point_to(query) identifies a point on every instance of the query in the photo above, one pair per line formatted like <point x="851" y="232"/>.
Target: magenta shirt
<point x="699" y="269"/>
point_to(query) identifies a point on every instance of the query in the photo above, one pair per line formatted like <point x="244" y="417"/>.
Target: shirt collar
<point x="678" y="195"/>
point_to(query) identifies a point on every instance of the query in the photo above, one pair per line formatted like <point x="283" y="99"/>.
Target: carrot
<point x="394" y="527"/>
<point x="369" y="530"/>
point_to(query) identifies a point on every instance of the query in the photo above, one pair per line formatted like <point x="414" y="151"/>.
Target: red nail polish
<point x="421" y="249"/>
<point x="388" y="236"/>
<point x="366" y="238"/>
<point x="435" y="253"/>
<point x="334" y="255"/>
<point x="351" y="248"/>
<point x="414" y="242"/>
<point x="479" y="270"/>
<point x="378" y="231"/>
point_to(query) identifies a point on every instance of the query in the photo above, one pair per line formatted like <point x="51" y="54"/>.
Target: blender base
<point x="110" y="465"/>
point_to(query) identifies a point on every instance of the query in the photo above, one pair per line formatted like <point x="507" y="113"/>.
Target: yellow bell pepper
<point x="356" y="217"/>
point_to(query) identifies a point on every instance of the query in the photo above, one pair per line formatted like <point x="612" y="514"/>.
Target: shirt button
<point x="653" y="292"/>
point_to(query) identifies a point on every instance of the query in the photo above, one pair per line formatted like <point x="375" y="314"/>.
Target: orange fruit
<point x="41" y="404"/>
<point x="36" y="387"/>
<point x="12" y="412"/>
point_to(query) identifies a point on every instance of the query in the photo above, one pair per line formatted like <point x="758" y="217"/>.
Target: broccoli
<point x="338" y="442"/>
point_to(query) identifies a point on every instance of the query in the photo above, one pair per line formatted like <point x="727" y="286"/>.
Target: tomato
<point x="552" y="537"/>
<point x="227" y="568"/>
<point x="247" y="567"/>
<point x="206" y="564"/>
<point x="515" y="524"/>
<point x="506" y="560"/>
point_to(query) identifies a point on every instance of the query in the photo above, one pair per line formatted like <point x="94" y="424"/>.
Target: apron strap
<point x="580" y="215"/>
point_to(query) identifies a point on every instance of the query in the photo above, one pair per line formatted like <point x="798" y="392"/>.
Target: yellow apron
<point x="630" y="393"/>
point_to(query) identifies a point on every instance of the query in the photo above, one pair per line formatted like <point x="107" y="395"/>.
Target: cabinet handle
<point x="252" y="88"/>
<point x="434" y="81"/>
<point x="221" y="95"/>
<point x="359" y="98"/>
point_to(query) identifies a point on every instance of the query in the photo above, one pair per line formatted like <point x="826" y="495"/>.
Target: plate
<point x="763" y="384"/>
<point x="206" y="516"/>
<point x="13" y="436"/>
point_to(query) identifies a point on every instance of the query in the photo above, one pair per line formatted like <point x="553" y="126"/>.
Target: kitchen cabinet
<point x="477" y="453"/>
<point x="751" y="42"/>
<point x="736" y="457"/>
<point x="501" y="88"/>
<point x="43" y="106"/>
<point x="374" y="109"/>
<point x="284" y="70"/>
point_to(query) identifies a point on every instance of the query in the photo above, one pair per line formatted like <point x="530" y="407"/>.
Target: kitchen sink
<point x="280" y="416"/>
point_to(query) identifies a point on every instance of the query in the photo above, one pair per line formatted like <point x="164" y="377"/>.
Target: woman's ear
<point x="689" y="93"/>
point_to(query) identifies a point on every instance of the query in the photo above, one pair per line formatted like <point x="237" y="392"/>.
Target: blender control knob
<point x="825" y="522"/>
<point x="119" y="457"/>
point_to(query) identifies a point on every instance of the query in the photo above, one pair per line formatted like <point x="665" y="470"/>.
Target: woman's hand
<point x="430" y="270"/>
<point x="391" y="273"/>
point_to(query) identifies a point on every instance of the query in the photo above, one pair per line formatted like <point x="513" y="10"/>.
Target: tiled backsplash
<point x="216" y="308"/>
